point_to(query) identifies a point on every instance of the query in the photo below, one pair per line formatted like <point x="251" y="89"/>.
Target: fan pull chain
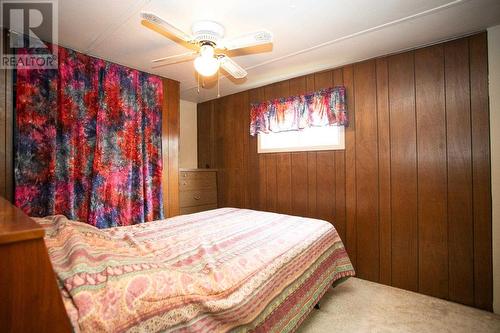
<point x="198" y="82"/>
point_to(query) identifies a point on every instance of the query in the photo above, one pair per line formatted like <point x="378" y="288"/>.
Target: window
<point x="311" y="138"/>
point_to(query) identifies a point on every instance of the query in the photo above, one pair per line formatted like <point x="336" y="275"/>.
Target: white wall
<point x="188" y="144"/>
<point x="494" y="91"/>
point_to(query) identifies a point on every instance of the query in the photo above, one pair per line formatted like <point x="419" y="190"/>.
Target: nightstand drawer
<point x="206" y="182"/>
<point x="201" y="175"/>
<point x="197" y="197"/>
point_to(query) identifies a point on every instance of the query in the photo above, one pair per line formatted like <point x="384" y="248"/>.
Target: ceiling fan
<point x="207" y="40"/>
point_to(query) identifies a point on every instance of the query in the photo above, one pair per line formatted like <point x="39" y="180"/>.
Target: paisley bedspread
<point x="222" y="270"/>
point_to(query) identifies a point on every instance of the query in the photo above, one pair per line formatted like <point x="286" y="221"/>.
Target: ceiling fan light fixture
<point x="207" y="51"/>
<point x="207" y="36"/>
<point x="206" y="66"/>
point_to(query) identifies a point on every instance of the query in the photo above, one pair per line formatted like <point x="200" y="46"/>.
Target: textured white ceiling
<point x="308" y="35"/>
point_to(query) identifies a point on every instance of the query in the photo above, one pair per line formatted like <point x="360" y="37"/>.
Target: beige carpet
<point x="362" y="306"/>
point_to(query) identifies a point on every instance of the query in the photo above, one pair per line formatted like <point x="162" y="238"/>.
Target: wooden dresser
<point x="197" y="190"/>
<point x="30" y="300"/>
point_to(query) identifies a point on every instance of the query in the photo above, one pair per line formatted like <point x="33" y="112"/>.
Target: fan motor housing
<point x="207" y="32"/>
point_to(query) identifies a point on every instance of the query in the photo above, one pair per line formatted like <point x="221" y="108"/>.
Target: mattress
<point x="222" y="270"/>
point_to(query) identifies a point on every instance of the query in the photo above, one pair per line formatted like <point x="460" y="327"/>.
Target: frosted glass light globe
<point x="206" y="66"/>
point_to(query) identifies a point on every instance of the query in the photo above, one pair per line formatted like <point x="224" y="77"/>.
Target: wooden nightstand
<point x="197" y="190"/>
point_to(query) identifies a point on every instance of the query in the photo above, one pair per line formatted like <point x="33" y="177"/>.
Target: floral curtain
<point x="88" y="142"/>
<point x="325" y="107"/>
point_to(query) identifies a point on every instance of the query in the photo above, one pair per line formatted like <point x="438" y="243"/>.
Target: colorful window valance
<point x="324" y="107"/>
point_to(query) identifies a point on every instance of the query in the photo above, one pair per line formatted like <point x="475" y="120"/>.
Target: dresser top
<point x="16" y="226"/>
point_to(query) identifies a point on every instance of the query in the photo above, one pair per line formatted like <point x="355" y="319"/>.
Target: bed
<point x="222" y="270"/>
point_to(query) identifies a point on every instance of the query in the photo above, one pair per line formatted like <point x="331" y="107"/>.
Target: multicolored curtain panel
<point x="325" y="107"/>
<point x="88" y="142"/>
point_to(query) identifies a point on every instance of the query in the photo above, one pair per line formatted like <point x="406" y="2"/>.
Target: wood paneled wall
<point x="170" y="147"/>
<point x="410" y="194"/>
<point x="6" y="136"/>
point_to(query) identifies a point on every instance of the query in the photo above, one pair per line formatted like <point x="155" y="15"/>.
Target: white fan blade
<point x="154" y="22"/>
<point x="232" y="68"/>
<point x="252" y="39"/>
<point x="176" y="58"/>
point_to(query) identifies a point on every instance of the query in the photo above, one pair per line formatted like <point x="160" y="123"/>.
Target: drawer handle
<point x="184" y="183"/>
<point x="196" y="197"/>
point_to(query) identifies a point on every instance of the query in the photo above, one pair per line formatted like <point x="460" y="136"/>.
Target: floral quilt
<point x="222" y="270"/>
